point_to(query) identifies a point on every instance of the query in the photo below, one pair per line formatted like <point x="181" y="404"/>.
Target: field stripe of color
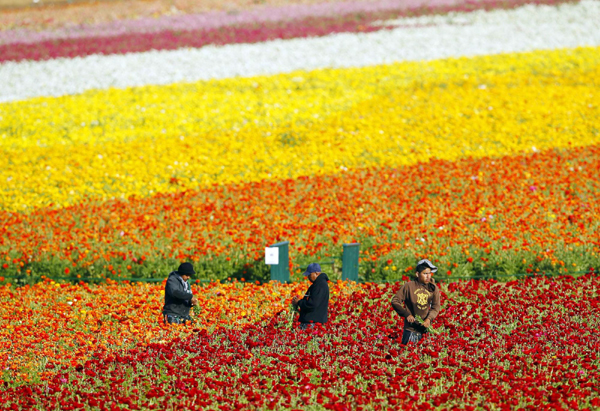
<point x="536" y="211"/>
<point x="140" y="141"/>
<point x="171" y="33"/>
<point x="422" y="38"/>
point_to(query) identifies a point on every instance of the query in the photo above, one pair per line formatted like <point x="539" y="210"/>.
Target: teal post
<point x="281" y="271"/>
<point x="350" y="262"/>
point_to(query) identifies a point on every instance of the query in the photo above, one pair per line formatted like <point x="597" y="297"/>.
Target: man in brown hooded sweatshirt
<point x="418" y="297"/>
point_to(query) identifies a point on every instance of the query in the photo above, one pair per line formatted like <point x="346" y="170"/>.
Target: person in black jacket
<point x="178" y="295"/>
<point x="315" y="304"/>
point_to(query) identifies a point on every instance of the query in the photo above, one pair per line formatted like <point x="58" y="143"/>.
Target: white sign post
<point x="271" y="255"/>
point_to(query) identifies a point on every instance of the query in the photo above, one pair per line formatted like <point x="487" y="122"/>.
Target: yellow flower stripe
<point x="110" y="143"/>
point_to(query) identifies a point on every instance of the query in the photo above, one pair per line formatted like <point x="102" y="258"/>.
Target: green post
<point x="281" y="272"/>
<point x="350" y="262"/>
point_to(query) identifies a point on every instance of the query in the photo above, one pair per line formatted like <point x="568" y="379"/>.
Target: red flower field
<point x="529" y="344"/>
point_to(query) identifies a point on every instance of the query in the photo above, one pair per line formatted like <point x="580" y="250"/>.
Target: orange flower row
<point x="521" y="212"/>
<point x="49" y="325"/>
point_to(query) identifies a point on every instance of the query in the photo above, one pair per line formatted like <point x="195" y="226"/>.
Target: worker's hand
<point x="410" y="319"/>
<point x="427" y="323"/>
<point x="194" y="301"/>
<point x="295" y="300"/>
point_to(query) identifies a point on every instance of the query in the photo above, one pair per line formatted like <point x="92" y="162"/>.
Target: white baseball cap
<point x="428" y="263"/>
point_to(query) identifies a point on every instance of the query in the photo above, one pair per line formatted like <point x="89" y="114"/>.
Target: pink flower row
<point x="219" y="28"/>
<point x="214" y="20"/>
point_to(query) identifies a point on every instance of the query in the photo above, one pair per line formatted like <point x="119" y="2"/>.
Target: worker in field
<point x="314" y="305"/>
<point x="178" y="295"/>
<point x="418" y="302"/>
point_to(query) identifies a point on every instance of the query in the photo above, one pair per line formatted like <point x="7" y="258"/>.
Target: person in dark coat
<point x="178" y="295"/>
<point x="314" y="305"/>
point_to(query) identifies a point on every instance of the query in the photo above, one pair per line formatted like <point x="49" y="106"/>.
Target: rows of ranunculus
<point x="522" y="29"/>
<point x="118" y="143"/>
<point x="56" y="325"/>
<point x="174" y="32"/>
<point x="171" y="40"/>
<point x="533" y="212"/>
<point x="80" y="14"/>
<point x="291" y="13"/>
<point x="528" y="344"/>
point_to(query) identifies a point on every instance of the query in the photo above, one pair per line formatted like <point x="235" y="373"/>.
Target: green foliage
<point x="397" y="265"/>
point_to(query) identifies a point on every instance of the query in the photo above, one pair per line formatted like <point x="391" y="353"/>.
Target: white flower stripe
<point x="523" y="29"/>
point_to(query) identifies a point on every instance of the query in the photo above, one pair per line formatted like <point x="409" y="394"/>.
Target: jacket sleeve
<point x="316" y="297"/>
<point x="174" y="289"/>
<point x="435" y="306"/>
<point x="398" y="302"/>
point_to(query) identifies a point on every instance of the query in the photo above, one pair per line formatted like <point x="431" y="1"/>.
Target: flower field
<point x="489" y="222"/>
<point x="64" y="324"/>
<point x="218" y="28"/>
<point x="144" y="185"/>
<point x="134" y="138"/>
<point x="527" y="344"/>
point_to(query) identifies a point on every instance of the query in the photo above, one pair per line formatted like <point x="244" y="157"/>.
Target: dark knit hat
<point x="312" y="268"/>
<point x="186" y="269"/>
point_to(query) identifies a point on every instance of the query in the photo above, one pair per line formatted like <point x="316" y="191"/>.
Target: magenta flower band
<point x="220" y="28"/>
